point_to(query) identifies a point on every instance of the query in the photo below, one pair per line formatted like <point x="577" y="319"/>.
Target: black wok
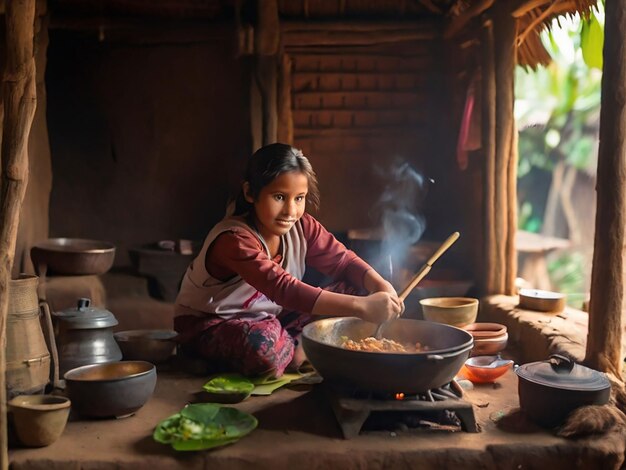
<point x="448" y="349"/>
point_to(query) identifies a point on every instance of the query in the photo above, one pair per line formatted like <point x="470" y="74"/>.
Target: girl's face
<point x="280" y="204"/>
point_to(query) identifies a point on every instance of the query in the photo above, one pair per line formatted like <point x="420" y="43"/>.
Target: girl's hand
<point x="380" y="307"/>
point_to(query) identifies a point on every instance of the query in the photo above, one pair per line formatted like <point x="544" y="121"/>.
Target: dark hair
<point x="266" y="164"/>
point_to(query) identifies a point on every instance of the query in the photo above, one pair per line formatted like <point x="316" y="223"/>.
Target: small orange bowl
<point x="485" y="369"/>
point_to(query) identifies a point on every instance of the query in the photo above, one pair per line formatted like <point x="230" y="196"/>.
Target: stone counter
<point x="298" y="430"/>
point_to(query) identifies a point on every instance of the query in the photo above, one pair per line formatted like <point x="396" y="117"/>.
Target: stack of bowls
<point x="489" y="338"/>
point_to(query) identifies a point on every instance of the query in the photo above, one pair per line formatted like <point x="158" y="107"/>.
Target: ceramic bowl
<point x="454" y="311"/>
<point x="39" y="420"/>
<point x="489" y="338"/>
<point x="154" y="346"/>
<point x="485" y="369"/>
<point x="114" y="389"/>
<point x="73" y="256"/>
<point x="541" y="300"/>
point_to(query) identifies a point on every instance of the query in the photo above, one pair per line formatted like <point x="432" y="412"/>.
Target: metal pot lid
<point x="563" y="373"/>
<point x="85" y="317"/>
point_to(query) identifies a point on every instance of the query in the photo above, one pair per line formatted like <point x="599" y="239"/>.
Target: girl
<point x="242" y="303"/>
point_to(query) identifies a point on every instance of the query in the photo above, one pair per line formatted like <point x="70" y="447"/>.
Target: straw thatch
<point x="536" y="15"/>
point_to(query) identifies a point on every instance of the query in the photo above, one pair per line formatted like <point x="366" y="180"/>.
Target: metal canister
<point x="85" y="336"/>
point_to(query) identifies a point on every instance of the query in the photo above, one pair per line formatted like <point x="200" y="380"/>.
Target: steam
<point x="400" y="211"/>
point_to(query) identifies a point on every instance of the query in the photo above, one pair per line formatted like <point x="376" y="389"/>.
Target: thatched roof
<point x="459" y="16"/>
<point x="536" y="15"/>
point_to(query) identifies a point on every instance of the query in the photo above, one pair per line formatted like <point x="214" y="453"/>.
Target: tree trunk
<point x="604" y="351"/>
<point x="19" y="90"/>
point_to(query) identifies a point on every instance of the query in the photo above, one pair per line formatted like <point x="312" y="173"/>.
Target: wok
<point x="448" y="348"/>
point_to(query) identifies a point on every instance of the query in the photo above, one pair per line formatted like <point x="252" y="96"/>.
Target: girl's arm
<point x="374" y="282"/>
<point x="239" y="253"/>
<point x="376" y="308"/>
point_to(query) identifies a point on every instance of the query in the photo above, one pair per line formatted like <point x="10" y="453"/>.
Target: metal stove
<point x="441" y="409"/>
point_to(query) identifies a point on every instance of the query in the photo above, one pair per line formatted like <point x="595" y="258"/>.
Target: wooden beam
<point x="430" y="6"/>
<point x="457" y="23"/>
<point x="536" y="22"/>
<point x="528" y="6"/>
<point x="290" y="26"/>
<point x="356" y="36"/>
<point x="20" y="100"/>
<point x="607" y="283"/>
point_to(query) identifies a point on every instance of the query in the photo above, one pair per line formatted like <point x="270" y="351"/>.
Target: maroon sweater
<point x="241" y="253"/>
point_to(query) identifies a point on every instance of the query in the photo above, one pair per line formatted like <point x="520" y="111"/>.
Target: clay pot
<point x="39" y="420"/>
<point x="489" y="338"/>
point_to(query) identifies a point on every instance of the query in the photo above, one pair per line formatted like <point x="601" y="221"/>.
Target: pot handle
<point x="561" y="363"/>
<point x="53" y="345"/>
<point x="441" y="357"/>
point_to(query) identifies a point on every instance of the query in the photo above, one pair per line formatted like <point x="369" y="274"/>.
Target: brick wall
<point x="358" y="110"/>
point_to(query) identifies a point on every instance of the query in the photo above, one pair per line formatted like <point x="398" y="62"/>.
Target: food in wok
<point x="372" y="344"/>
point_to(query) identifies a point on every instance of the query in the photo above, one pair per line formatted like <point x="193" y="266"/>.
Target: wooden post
<point x="500" y="216"/>
<point x="20" y="100"/>
<point x="266" y="44"/>
<point x="505" y="33"/>
<point x="488" y="83"/>
<point x="607" y="285"/>
<point x="285" y="118"/>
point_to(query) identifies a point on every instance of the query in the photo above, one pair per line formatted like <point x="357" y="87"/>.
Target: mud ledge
<point x="536" y="335"/>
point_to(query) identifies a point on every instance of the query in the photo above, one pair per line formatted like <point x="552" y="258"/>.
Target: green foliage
<point x="557" y="112"/>
<point x="592" y="42"/>
<point x="566" y="272"/>
<point x="527" y="220"/>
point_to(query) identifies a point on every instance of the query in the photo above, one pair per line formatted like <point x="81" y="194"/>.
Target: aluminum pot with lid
<point x="85" y="336"/>
<point x="550" y="390"/>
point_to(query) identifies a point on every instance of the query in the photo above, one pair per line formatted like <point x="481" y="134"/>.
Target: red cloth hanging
<point x="470" y="131"/>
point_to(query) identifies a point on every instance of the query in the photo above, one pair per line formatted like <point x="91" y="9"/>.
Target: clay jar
<point x="39" y="419"/>
<point x="489" y="338"/>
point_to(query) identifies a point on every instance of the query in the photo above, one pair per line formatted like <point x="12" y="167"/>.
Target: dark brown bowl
<point x="73" y="256"/>
<point x="114" y="389"/>
<point x="154" y="346"/>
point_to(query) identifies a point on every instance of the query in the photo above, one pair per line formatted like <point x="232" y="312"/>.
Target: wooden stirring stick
<point x="420" y="275"/>
<point x="428" y="265"/>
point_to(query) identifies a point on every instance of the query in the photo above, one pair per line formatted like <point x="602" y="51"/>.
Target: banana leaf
<point x="204" y="426"/>
<point x="229" y="383"/>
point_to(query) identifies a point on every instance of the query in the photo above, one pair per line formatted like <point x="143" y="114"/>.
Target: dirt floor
<point x="297" y="429"/>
